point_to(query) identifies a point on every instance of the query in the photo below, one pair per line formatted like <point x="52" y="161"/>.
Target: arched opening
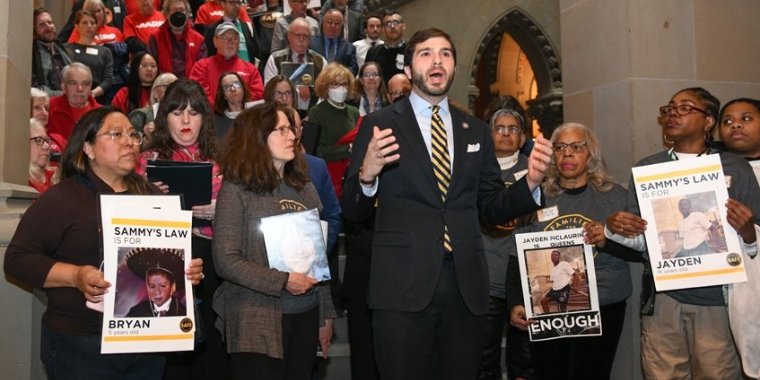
<point x="516" y="58"/>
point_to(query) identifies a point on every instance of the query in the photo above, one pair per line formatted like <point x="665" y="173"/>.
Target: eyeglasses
<point x="393" y="23"/>
<point x="577" y="147"/>
<point x="300" y="36"/>
<point x="236" y="85"/>
<point x="229" y="39"/>
<point x="681" y="110"/>
<point x="285" y="130"/>
<point x="371" y="75"/>
<point x="336" y="84"/>
<point x="148" y="66"/>
<point x="41" y="141"/>
<point x="333" y="23"/>
<point x="504" y="129"/>
<point x="286" y="94"/>
<point x="134" y="136"/>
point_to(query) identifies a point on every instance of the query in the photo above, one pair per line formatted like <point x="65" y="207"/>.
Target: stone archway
<point x="546" y="108"/>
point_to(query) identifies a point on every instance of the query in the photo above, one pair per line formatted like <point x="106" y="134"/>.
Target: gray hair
<point x="598" y="176"/>
<point x="162" y="80"/>
<point x="508" y="112"/>
<point x="74" y="65"/>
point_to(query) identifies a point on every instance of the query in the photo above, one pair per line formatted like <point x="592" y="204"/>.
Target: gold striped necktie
<point x="441" y="164"/>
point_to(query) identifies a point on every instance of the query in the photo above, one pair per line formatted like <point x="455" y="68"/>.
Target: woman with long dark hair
<point x="270" y="318"/>
<point x="231" y="96"/>
<point x="56" y="248"/>
<point x="143" y="70"/>
<point x="184" y="131"/>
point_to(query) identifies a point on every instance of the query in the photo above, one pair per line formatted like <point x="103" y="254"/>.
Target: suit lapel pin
<point x="465" y="126"/>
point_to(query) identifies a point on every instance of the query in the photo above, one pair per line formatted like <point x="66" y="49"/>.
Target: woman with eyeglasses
<point x="231" y="96"/>
<point x="56" y="248"/>
<point x="371" y="89"/>
<point x="142" y="118"/>
<point x="98" y="58"/>
<point x="672" y="318"/>
<point x="579" y="194"/>
<point x="334" y="84"/>
<point x="41" y="174"/>
<point x="143" y="70"/>
<point x="184" y="131"/>
<point x="270" y="319"/>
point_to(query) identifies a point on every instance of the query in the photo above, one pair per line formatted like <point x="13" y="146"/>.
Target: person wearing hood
<point x="207" y="70"/>
<point x="176" y="45"/>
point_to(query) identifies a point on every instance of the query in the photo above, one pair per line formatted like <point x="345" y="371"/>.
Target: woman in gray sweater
<point x="270" y="319"/>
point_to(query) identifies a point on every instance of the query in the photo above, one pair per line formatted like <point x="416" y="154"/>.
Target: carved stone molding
<point x="543" y="59"/>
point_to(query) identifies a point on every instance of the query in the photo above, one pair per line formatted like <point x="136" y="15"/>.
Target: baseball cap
<point x="225" y="26"/>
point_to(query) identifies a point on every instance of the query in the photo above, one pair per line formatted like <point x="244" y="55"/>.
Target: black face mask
<point x="178" y="19"/>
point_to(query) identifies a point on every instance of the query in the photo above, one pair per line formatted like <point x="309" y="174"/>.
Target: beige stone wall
<point x="622" y="59"/>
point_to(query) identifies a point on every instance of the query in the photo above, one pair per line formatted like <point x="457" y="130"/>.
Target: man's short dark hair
<point x="366" y="20"/>
<point x="389" y="13"/>
<point x="422" y="36"/>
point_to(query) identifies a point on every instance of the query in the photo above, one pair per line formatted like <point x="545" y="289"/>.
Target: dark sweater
<point x="61" y="226"/>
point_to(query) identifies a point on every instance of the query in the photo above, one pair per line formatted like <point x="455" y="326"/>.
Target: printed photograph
<point x="558" y="280"/>
<point x="150" y="283"/>
<point x="689" y="225"/>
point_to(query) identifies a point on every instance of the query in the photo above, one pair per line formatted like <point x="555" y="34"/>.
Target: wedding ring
<point x="203" y="276"/>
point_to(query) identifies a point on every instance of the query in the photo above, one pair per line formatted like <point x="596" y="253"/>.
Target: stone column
<point x="623" y="59"/>
<point x="19" y="348"/>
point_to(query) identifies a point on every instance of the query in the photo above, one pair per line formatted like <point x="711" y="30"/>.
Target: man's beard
<point x="418" y="79"/>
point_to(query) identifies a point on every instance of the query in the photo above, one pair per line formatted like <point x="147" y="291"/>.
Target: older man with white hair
<point x="67" y="109"/>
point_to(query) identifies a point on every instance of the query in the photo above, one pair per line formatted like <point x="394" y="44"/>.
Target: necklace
<point x="673" y="157"/>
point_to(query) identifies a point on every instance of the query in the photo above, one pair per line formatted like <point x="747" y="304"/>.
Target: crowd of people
<point x="321" y="113"/>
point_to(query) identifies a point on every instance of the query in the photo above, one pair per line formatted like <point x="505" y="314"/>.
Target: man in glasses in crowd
<point x="390" y="55"/>
<point x="299" y="38"/>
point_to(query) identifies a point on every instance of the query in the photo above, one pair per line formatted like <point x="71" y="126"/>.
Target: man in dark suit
<point x="249" y="49"/>
<point x="430" y="169"/>
<point x="331" y="45"/>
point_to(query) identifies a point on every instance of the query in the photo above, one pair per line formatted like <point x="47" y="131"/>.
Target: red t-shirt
<point x="104" y="35"/>
<point x="137" y="25"/>
<point x="212" y="12"/>
<point x="133" y="8"/>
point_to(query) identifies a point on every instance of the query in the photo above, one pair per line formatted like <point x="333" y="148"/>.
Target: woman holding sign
<point x="271" y="319"/>
<point x="579" y="194"/>
<point x="184" y="131"/>
<point x="671" y="319"/>
<point x="56" y="248"/>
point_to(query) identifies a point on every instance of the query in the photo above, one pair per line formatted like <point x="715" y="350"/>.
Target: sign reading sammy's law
<point x="146" y="247"/>
<point x="689" y="240"/>
<point x="559" y="284"/>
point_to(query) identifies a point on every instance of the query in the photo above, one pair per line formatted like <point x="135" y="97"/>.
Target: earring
<point x="669" y="142"/>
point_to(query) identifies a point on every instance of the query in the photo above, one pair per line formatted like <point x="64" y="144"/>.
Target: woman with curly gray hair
<point x="579" y="194"/>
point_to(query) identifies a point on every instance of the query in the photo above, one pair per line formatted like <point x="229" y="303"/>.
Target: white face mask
<point x="338" y="95"/>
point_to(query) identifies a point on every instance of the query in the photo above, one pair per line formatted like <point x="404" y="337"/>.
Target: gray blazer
<point x="248" y="302"/>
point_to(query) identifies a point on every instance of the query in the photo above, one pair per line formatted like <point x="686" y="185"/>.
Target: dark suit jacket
<point x="407" y="249"/>
<point x="345" y="53"/>
<point x="250" y="42"/>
